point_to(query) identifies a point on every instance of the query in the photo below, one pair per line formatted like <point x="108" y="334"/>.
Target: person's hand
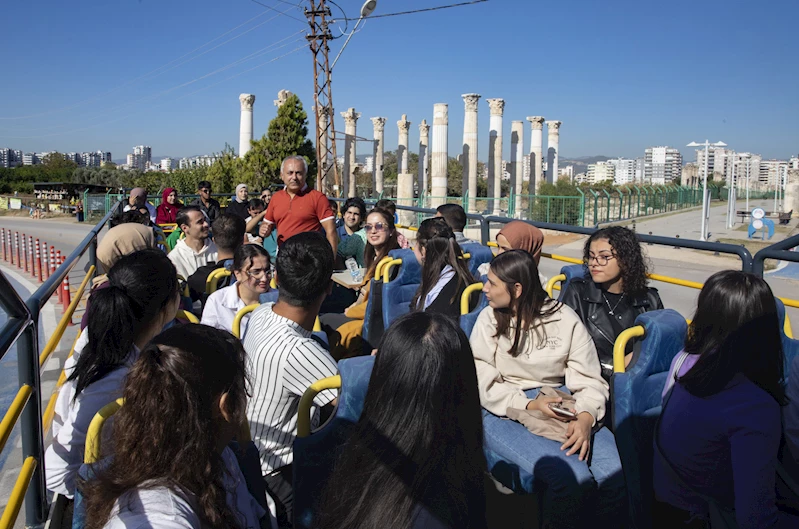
<point x="257" y="240"/>
<point x="374" y="352"/>
<point x="627" y="358"/>
<point x="264" y="230"/>
<point x="578" y="436"/>
<point x="542" y="404"/>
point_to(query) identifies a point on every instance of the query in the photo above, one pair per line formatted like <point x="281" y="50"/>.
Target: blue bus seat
<point x="790" y="346"/>
<point x="315" y="455"/>
<point x="269" y="297"/>
<point x="398" y="293"/>
<point x="571" y="272"/>
<point x="635" y="397"/>
<point x="373" y="319"/>
<point x="467" y="321"/>
<point x="479" y="254"/>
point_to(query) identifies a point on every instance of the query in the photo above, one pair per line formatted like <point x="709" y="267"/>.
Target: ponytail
<point x="441" y="249"/>
<point x="140" y="286"/>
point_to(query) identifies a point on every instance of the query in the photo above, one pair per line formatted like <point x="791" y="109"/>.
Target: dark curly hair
<point x="627" y="250"/>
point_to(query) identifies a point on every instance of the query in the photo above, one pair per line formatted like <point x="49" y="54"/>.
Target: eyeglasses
<point x="205" y="190"/>
<point x="377" y="226"/>
<point x="258" y="273"/>
<point x="266" y="197"/>
<point x="601" y="260"/>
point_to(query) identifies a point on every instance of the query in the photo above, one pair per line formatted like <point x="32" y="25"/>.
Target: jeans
<point x="572" y="493"/>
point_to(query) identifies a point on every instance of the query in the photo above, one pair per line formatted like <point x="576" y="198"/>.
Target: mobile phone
<point x="563" y="412"/>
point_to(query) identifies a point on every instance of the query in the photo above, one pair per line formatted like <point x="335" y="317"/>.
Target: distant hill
<point x="581" y="162"/>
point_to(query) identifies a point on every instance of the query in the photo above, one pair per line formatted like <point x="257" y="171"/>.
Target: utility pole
<point x="318" y="16"/>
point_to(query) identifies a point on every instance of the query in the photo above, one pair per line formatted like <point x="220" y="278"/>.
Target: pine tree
<point x="287" y="135"/>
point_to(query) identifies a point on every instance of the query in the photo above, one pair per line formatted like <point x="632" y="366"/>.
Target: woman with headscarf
<point x="167" y="210"/>
<point x="120" y="241"/>
<point x="239" y="206"/>
<point x="518" y="235"/>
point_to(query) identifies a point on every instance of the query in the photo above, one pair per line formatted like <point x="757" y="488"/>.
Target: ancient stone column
<point x="470" y="148"/>
<point x="791" y="200"/>
<point x="497" y="107"/>
<point x="245" y="126"/>
<point x="402" y="150"/>
<point x="424" y="158"/>
<point x="553" y="146"/>
<point x="350" y="163"/>
<point x="536" y="150"/>
<point x="282" y="96"/>
<point x="516" y="164"/>
<point x="438" y="176"/>
<point x="377" y="173"/>
<point x="405" y="198"/>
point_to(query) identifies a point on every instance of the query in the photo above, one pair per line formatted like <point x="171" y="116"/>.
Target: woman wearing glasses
<point x="345" y="330"/>
<point x="614" y="291"/>
<point x="253" y="274"/>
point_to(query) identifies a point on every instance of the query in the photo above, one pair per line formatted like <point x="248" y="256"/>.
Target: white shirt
<point x="284" y="362"/>
<point x="164" y="508"/>
<point x="64" y="456"/>
<point x="447" y="273"/>
<point x="187" y="261"/>
<point x="221" y="308"/>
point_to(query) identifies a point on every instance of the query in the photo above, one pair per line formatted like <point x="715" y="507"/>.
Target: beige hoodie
<point x="187" y="261"/>
<point x="567" y="358"/>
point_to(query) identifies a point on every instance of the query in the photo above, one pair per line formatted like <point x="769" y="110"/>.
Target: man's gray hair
<point x="295" y="157"/>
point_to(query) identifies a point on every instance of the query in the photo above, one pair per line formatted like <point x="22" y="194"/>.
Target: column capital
<point x="536" y="122"/>
<point x="553" y="127"/>
<point x="350" y="116"/>
<point x="282" y="96"/>
<point x="247" y="101"/>
<point x="379" y="124"/>
<point x="496" y="105"/>
<point x="403" y="124"/>
<point x="424" y="128"/>
<point x="470" y="101"/>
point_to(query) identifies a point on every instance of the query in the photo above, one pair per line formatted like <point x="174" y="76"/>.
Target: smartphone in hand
<point x="563" y="412"/>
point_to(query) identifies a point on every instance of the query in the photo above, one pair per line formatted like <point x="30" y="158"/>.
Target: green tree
<point x="225" y="172"/>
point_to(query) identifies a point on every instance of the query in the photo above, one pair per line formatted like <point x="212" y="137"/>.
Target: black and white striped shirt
<point x="284" y="361"/>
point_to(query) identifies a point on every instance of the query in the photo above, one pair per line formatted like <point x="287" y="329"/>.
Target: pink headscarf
<point x="523" y="236"/>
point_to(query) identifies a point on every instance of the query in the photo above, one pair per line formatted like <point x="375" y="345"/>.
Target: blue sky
<point x="621" y="74"/>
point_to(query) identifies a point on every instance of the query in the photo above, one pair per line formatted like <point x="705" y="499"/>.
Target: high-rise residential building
<point x="566" y="172"/>
<point x="719" y="162"/>
<point x="794" y="162"/>
<point x="771" y="171"/>
<point x="624" y="172"/>
<point x="525" y="168"/>
<point x="10" y="157"/>
<point x="141" y="158"/>
<point x="600" y="172"/>
<point x="747" y="167"/>
<point x="369" y="166"/>
<point x="31" y="158"/>
<point x="662" y="165"/>
<point x="168" y="164"/>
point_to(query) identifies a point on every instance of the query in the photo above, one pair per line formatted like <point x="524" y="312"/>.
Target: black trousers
<point x="279" y="486"/>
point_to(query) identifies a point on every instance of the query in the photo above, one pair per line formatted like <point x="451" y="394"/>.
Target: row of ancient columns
<point x="436" y="167"/>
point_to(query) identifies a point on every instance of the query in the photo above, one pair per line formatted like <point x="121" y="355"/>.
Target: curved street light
<point x="367" y="9"/>
<point x="705" y="201"/>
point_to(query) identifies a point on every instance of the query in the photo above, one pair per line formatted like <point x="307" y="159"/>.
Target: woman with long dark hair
<point x="253" y="272"/>
<point x="615" y="291"/>
<point x="719" y="433"/>
<point x="526" y="346"/>
<point x="185" y="399"/>
<point x="141" y="297"/>
<point x="415" y="458"/>
<point x="445" y="273"/>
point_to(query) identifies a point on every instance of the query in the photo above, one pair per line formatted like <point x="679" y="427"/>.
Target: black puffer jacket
<point x="585" y="297"/>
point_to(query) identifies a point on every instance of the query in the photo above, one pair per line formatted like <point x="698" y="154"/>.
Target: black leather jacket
<point x="585" y="297"/>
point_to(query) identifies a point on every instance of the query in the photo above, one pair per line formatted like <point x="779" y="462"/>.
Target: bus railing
<point x="22" y="330"/>
<point x="778" y="250"/>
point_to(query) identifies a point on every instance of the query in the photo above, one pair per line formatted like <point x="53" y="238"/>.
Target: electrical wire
<point x="424" y="9"/>
<point x="156" y="70"/>
<point x="282" y="2"/>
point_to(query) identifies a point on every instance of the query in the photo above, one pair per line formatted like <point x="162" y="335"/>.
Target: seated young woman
<point x="519" y="235"/>
<point x="170" y="464"/>
<point x="415" y="457"/>
<point x="616" y="292"/>
<point x="445" y="273"/>
<point x="345" y="331"/>
<point x="718" y="436"/>
<point x="141" y="297"/>
<point x="524" y="343"/>
<point x="253" y="272"/>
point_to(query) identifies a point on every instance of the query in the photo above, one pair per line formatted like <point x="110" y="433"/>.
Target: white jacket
<point x="145" y="508"/>
<point x="221" y="308"/>
<point x="187" y="261"/>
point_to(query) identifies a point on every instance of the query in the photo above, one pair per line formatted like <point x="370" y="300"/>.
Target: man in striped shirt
<point x="285" y="360"/>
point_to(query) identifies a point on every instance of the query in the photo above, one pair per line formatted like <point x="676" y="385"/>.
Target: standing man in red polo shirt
<point x="296" y="208"/>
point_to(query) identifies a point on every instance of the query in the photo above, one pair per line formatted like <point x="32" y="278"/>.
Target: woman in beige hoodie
<point x="523" y="342"/>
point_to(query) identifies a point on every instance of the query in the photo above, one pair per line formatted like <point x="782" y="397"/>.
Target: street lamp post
<point x="366" y="10"/>
<point x="705" y="201"/>
<point x="731" y="194"/>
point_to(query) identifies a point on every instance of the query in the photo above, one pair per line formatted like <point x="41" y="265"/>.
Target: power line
<point x="282" y="2"/>
<point x="423" y="10"/>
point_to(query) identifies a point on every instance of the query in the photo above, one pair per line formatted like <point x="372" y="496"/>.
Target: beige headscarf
<point x="121" y="240"/>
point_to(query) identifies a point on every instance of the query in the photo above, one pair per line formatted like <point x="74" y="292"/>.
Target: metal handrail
<point x="306" y="401"/>
<point x="66" y="319"/>
<point x="22" y="329"/>
<point x="778" y="250"/>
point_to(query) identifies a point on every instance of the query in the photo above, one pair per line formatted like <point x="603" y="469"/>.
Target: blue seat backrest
<point x="373" y="319"/>
<point x="269" y="297"/>
<point x="636" y="402"/>
<point x="479" y="254"/>
<point x="398" y="293"/>
<point x="315" y="455"/>
<point x="467" y="321"/>
<point x="571" y="272"/>
<point x="790" y="347"/>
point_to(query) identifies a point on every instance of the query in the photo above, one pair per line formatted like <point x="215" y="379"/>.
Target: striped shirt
<point x="284" y="361"/>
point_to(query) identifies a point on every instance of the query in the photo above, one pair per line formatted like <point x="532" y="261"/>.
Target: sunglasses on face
<point x="205" y="190"/>
<point x="377" y="226"/>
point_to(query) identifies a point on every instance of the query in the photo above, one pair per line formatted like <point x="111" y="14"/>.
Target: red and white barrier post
<point x="39" y="260"/>
<point x="25" y="252"/>
<point x="45" y="262"/>
<point x="5" y="254"/>
<point x="65" y="287"/>
<point x="16" y="250"/>
<point x="57" y="264"/>
<point x="32" y="256"/>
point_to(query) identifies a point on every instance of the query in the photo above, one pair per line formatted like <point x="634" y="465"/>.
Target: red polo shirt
<point x="304" y="212"/>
